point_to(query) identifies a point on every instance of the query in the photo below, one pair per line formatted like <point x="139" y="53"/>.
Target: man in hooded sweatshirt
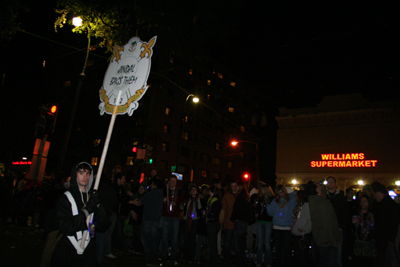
<point x="73" y="210"/>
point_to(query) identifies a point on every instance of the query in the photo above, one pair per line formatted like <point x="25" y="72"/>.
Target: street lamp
<point x="195" y="100"/>
<point x="77" y="22"/>
<point x="235" y="143"/>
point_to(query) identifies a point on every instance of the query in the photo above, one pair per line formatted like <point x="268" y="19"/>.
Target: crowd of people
<point x="210" y="225"/>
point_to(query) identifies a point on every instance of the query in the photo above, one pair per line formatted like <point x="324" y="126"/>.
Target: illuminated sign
<point x="21" y="162"/>
<point x="349" y="160"/>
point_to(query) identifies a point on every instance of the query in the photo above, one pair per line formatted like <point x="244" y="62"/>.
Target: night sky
<point x="293" y="53"/>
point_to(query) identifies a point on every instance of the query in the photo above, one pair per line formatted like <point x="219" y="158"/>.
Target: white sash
<point x="75" y="241"/>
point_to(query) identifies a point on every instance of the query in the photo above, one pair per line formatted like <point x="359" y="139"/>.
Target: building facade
<point x="346" y="136"/>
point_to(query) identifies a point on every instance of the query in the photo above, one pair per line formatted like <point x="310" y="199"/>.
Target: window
<point x="216" y="161"/>
<point x="231" y="109"/>
<point x="191" y="71"/>
<point x="171" y="60"/>
<point x="96" y="142"/>
<point x="185" y="135"/>
<point x="168" y="111"/>
<point x="209" y="82"/>
<point x="94" y="161"/>
<point x="90" y="63"/>
<point x="167" y="128"/>
<point x="233" y="84"/>
<point x="208" y="96"/>
<point x="139" y="122"/>
<point x="242" y="128"/>
<point x="129" y="160"/>
<point x="217" y="146"/>
<point x="186" y="119"/>
<point x="204" y="157"/>
<point x="165" y="147"/>
<point x="216" y="175"/>
<point x="229" y="164"/>
<point x="67" y="83"/>
<point x="204" y="173"/>
<point x="220" y="75"/>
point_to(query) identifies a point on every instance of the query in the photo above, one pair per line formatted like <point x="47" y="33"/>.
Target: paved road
<point x="22" y="246"/>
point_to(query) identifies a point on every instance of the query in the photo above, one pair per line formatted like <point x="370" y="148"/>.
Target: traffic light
<point x="134" y="149"/>
<point x="51" y="116"/>
<point x="246" y="176"/>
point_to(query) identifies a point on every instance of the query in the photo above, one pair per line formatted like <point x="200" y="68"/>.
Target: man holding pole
<point x="74" y="210"/>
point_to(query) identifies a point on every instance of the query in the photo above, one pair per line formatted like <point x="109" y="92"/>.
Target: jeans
<point x="200" y="241"/>
<point x="264" y="233"/>
<point x="109" y="233"/>
<point x="282" y="247"/>
<point x="326" y="256"/>
<point x="100" y="239"/>
<point x="190" y="241"/>
<point x="228" y="241"/>
<point x="150" y="240"/>
<point x="301" y="246"/>
<point x="119" y="239"/>
<point x="170" y="231"/>
<point x="212" y="242"/>
<point x="339" y="250"/>
<point x="239" y="233"/>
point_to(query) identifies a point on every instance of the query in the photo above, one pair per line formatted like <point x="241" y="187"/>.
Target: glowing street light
<point x="77" y="21"/>
<point x="294" y="181"/>
<point x="398" y="183"/>
<point x="360" y="182"/>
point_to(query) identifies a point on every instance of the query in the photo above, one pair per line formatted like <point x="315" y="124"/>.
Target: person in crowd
<point x="242" y="216"/>
<point x="110" y="200"/>
<point x="119" y="241"/>
<point x="387" y="217"/>
<point x="173" y="198"/>
<point x="202" y="228"/>
<point x="301" y="229"/>
<point x="348" y="240"/>
<point x="152" y="203"/>
<point x="264" y="225"/>
<point x="338" y="201"/>
<point x="367" y="190"/>
<point x="191" y="214"/>
<point x="217" y="182"/>
<point x="212" y="213"/>
<point x="364" y="251"/>
<point x="227" y="206"/>
<point x="281" y="212"/>
<point x="136" y="221"/>
<point x="73" y="209"/>
<point x="325" y="228"/>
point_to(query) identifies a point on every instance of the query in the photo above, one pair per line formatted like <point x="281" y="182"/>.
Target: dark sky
<point x="293" y="53"/>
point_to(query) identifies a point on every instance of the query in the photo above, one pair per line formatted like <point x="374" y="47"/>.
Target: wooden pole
<point x="103" y="158"/>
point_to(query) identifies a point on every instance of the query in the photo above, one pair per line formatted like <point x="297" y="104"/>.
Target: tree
<point x="182" y="27"/>
<point x="9" y="12"/>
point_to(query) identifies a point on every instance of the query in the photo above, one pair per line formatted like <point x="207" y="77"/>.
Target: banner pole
<point x="102" y="160"/>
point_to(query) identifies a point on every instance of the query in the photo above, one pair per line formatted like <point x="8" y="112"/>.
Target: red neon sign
<point x="21" y="162"/>
<point x="348" y="160"/>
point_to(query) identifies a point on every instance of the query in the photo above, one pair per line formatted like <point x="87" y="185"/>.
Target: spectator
<point x="152" y="213"/>
<point x="242" y="216"/>
<point x="301" y="229"/>
<point x="191" y="214"/>
<point x="281" y="212"/>
<point x="173" y="198"/>
<point x="387" y="216"/>
<point x="213" y="224"/>
<point x="227" y="206"/>
<point x="364" y="251"/>
<point x="339" y="205"/>
<point x="325" y="228"/>
<point x="264" y="225"/>
<point x="136" y="222"/>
